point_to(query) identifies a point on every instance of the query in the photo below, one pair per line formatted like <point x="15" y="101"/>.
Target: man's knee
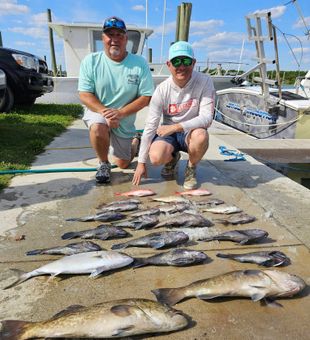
<point x="199" y="137"/>
<point x="122" y="163"/>
<point x="99" y="130"/>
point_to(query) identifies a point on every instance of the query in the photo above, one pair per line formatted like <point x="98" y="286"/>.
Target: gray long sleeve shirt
<point x="191" y="106"/>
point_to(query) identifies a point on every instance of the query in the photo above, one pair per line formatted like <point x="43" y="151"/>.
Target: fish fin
<point x="270" y="303"/>
<point x="257" y="297"/>
<point x="119" y="246"/>
<point x="139" y="262"/>
<point x="34" y="252"/>
<point x="180" y="262"/>
<point x="13" y="329"/>
<point x="22" y="276"/>
<point x="122" y="331"/>
<point x="207" y="296"/>
<point x="169" y="296"/>
<point x="121" y="310"/>
<point x="98" y="271"/>
<point x="67" y="310"/>
<point x="69" y="235"/>
<point x="157" y="244"/>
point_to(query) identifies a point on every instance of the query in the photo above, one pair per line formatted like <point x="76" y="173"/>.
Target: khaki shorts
<point x="119" y="147"/>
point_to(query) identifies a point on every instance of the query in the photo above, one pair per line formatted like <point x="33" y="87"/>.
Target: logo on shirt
<point x="133" y="79"/>
<point x="174" y="109"/>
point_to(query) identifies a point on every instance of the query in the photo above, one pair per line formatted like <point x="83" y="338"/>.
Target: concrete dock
<point x="34" y="208"/>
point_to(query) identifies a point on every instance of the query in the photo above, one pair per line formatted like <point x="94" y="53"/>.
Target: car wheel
<point x="7" y="102"/>
<point x="27" y="102"/>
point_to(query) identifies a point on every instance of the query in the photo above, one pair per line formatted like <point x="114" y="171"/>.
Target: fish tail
<point x="69" y="235"/>
<point x="224" y="256"/>
<point x="34" y="252"/>
<point x="13" y="329"/>
<point x="169" y="296"/>
<point x="22" y="276"/>
<point x="119" y="246"/>
<point x="139" y="262"/>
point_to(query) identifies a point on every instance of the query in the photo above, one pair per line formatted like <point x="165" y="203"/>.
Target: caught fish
<point x="175" y="257"/>
<point x="255" y="284"/>
<point x="113" y="319"/>
<point x="209" y="202"/>
<point x="240" y="236"/>
<point x="171" y="199"/>
<point x="118" y="203"/>
<point x="69" y="249"/>
<point x="119" y="208"/>
<point x="223" y="209"/>
<point x="146" y="212"/>
<point x="155" y="240"/>
<point x="93" y="263"/>
<point x="237" y="219"/>
<point x="138" y="193"/>
<point x="102" y="232"/>
<point x="141" y="222"/>
<point x="194" y="192"/>
<point x="185" y="220"/>
<point x="175" y="207"/>
<point x="263" y="258"/>
<point x="102" y="217"/>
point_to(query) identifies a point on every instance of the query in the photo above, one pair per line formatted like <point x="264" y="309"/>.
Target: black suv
<point x="26" y="78"/>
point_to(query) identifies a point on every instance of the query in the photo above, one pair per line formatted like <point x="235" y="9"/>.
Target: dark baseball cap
<point x="114" y="22"/>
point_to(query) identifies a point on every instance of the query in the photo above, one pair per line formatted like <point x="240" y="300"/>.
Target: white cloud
<point x="34" y="32"/>
<point x="300" y="23"/>
<point x="276" y="12"/>
<point x="24" y="43"/>
<point x="11" y="7"/>
<point x="221" y="39"/>
<point x="138" y="8"/>
<point x="39" y="19"/>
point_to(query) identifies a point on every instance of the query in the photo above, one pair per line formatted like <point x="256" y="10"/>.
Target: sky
<point x="218" y="30"/>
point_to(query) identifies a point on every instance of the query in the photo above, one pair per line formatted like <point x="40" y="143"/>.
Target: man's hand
<point x="112" y="116"/>
<point x="166" y="130"/>
<point x="141" y="171"/>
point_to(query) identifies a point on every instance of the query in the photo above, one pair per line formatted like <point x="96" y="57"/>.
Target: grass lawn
<point x="25" y="133"/>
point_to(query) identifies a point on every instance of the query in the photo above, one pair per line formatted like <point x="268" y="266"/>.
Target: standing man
<point x="186" y="102"/>
<point x="113" y="84"/>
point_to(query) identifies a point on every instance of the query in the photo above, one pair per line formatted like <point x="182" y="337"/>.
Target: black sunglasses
<point x="114" y="23"/>
<point x="177" y="61"/>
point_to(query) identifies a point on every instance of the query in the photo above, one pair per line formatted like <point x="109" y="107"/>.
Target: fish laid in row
<point x="155" y="240"/>
<point x="264" y="258"/>
<point x="119" y="208"/>
<point x="69" y="249"/>
<point x="171" y="199"/>
<point x="175" y="207"/>
<point x="208" y="203"/>
<point x="236" y="219"/>
<point x="107" y="216"/>
<point x="185" y="220"/>
<point x="137" y="223"/>
<point x="137" y="193"/>
<point x="255" y="284"/>
<point x="113" y="319"/>
<point x="194" y="192"/>
<point x="245" y="236"/>
<point x="118" y="203"/>
<point x="223" y="209"/>
<point x="146" y="212"/>
<point x="93" y="263"/>
<point x="102" y="232"/>
<point x="175" y="257"/>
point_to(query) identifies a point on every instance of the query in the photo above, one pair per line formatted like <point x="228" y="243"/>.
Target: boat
<point x="265" y="110"/>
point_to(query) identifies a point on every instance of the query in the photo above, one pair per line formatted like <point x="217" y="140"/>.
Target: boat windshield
<point x="132" y="45"/>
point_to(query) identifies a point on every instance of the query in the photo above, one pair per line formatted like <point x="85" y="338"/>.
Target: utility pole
<point x="51" y="39"/>
<point x="1" y="44"/>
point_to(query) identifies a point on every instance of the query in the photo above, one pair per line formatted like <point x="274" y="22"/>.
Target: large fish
<point x="118" y="203"/>
<point x="223" y="209"/>
<point x="272" y="258"/>
<point x="171" y="199"/>
<point x="175" y="207"/>
<point x="102" y="232"/>
<point x="146" y="212"/>
<point x="155" y="240"/>
<point x="194" y="192"/>
<point x="138" y="193"/>
<point x="185" y="220"/>
<point x="105" y="216"/>
<point x="236" y="219"/>
<point x="113" y="319"/>
<point x="93" y="263"/>
<point x="141" y="222"/>
<point x="245" y="236"/>
<point x="69" y="249"/>
<point x="175" y="257"/>
<point x="119" y="207"/>
<point x="255" y="284"/>
<point x="211" y="202"/>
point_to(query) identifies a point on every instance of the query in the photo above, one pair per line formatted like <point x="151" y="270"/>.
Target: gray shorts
<point x="119" y="147"/>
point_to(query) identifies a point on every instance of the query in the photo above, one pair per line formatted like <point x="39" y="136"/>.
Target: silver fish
<point x="102" y="232"/>
<point x="175" y="257"/>
<point x="240" y="236"/>
<point x="69" y="249"/>
<point x="155" y="240"/>
<point x="141" y="222"/>
<point x="256" y="284"/>
<point x="170" y="199"/>
<point x="145" y="212"/>
<point x="264" y="258"/>
<point x="208" y="203"/>
<point x="236" y="219"/>
<point x="119" y="208"/>
<point x="175" y="207"/>
<point x="223" y="209"/>
<point x="113" y="319"/>
<point x="102" y="217"/>
<point x="93" y="263"/>
<point x="185" y="220"/>
<point x="118" y="203"/>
